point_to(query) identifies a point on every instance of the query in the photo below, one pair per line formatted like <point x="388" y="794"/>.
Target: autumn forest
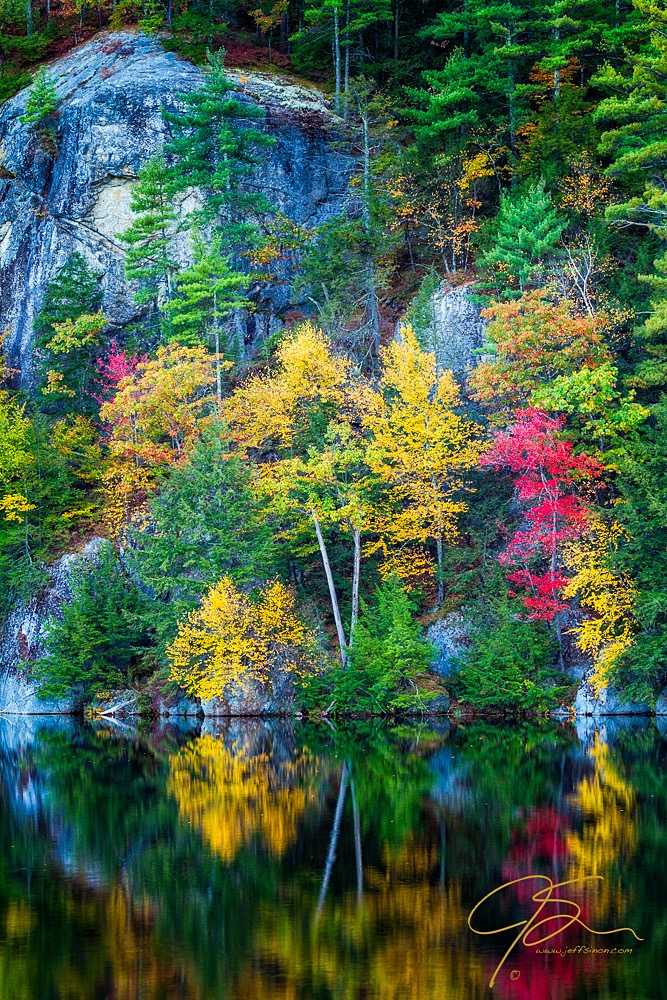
<point x="282" y="480"/>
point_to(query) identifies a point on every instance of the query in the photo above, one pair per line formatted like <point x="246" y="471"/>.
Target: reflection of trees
<point x="232" y="797"/>
<point x="193" y="870"/>
<point x="408" y="940"/>
<point x="607" y="803"/>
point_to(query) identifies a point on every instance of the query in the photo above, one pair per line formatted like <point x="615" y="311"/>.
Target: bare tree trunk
<point x="396" y="20"/>
<point x="357" y="844"/>
<point x="284" y="32"/>
<point x="218" y="370"/>
<point x="356" y="575"/>
<point x="337" y="65"/>
<point x="372" y="310"/>
<point x="333" y="841"/>
<point x="347" y="55"/>
<point x="441" y="582"/>
<point x="332" y="589"/>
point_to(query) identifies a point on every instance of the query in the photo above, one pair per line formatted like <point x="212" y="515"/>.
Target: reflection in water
<point x="231" y="796"/>
<point x="297" y="862"/>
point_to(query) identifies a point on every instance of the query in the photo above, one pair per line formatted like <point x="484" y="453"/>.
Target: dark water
<point x="301" y="862"/>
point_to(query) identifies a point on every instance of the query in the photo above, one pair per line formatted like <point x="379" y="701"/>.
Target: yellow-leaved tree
<point x="422" y="449"/>
<point x="608" y="594"/>
<point x="233" y="639"/>
<point x="303" y="422"/>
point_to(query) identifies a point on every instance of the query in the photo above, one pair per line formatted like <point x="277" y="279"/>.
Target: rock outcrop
<point x="606" y="701"/>
<point x="22" y="640"/>
<point x="274" y="698"/>
<point x="450" y="636"/>
<point x="454" y="329"/>
<point x="111" y="93"/>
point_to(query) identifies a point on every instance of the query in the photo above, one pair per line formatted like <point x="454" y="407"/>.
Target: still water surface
<point x="296" y="862"/>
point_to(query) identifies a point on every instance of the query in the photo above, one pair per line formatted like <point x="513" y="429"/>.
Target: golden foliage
<point x="609" y="595"/>
<point x="13" y="505"/>
<point x="420" y="446"/>
<point x="231" y="640"/>
<point x="266" y="411"/>
<point x="231" y="797"/>
<point x="608" y="834"/>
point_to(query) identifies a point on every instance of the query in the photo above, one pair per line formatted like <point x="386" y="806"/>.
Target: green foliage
<point x="205" y="524"/>
<point x="387" y="660"/>
<point x="71" y="305"/>
<point x="509" y="665"/>
<point x="643" y="485"/>
<point x="75" y="290"/>
<point x="42" y="109"/>
<point x="213" y="152"/>
<point x="206" y="292"/>
<point x="523" y="238"/>
<point x="102" y="639"/>
<point x="635" y="117"/>
<point x="149" y="259"/>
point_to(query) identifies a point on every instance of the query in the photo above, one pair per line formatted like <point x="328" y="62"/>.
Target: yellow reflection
<point x="407" y="939"/>
<point x="609" y="834"/>
<point x="231" y="797"/>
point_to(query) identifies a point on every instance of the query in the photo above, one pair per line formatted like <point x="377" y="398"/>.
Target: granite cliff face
<point x="111" y="92"/>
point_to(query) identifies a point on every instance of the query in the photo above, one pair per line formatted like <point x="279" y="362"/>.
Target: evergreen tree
<point x="636" y="116"/>
<point x="509" y="663"/>
<point x="525" y="235"/>
<point x="41" y="110"/>
<point x="337" y="24"/>
<point x="149" y="258"/>
<point x="101" y="638"/>
<point x="387" y="654"/>
<point x="206" y="523"/>
<point x="214" y="145"/>
<point x="68" y="329"/>
<point x="643" y="486"/>
<point x="484" y="82"/>
<point x="75" y="290"/>
<point x="206" y="292"/>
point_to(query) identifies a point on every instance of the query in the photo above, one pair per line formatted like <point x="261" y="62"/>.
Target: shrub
<point x="386" y="660"/>
<point x="42" y="109"/>
<point x="509" y="665"/>
<point x="102" y="640"/>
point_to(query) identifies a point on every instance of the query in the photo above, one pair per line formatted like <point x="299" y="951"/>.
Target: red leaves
<point x="113" y="368"/>
<point x="549" y="473"/>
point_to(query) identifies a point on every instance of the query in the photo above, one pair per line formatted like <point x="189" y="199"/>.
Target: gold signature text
<point x="554" y="915"/>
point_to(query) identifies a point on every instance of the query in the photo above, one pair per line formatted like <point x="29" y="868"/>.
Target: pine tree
<point x="387" y="654"/>
<point x="484" y="80"/>
<point x="68" y="329"/>
<point x="636" y="116"/>
<point x="149" y="259"/>
<point x="75" y="290"/>
<point x="205" y="293"/>
<point x="527" y="230"/>
<point x="98" y="643"/>
<point x="214" y="146"/>
<point x="338" y="23"/>
<point x="41" y="110"/>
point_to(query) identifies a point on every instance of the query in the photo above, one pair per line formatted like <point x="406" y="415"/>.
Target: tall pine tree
<point x="206" y="292"/>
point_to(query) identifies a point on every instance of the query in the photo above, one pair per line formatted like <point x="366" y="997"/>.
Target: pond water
<point x="290" y="862"/>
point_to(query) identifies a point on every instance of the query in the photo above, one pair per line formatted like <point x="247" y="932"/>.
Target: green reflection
<point x="301" y="861"/>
